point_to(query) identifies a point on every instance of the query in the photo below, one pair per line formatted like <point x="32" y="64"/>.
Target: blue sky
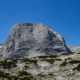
<point x="62" y="16"/>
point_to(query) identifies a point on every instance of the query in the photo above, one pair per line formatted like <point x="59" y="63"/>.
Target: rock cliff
<point x="28" y="40"/>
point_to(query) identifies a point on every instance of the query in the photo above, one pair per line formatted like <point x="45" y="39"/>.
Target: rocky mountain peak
<point x="28" y="40"/>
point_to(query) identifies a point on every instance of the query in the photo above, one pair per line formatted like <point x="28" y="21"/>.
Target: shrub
<point x="7" y="76"/>
<point x="7" y="65"/>
<point x="63" y="64"/>
<point x="50" y="60"/>
<point x="2" y="74"/>
<point x="50" y="56"/>
<point x="41" y="75"/>
<point x="67" y="53"/>
<point x="78" y="53"/>
<point x="57" y="59"/>
<point x="51" y="74"/>
<point x="22" y="73"/>
<point x="26" y="67"/>
<point x="74" y="61"/>
<point x="69" y="58"/>
<point x="30" y="61"/>
<point x="77" y="68"/>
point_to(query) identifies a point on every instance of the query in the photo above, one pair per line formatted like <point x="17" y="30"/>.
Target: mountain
<point x="28" y="40"/>
<point x="42" y="46"/>
<point x="74" y="48"/>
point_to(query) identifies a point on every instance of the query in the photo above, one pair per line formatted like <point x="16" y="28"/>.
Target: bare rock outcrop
<point x="74" y="48"/>
<point x="28" y="40"/>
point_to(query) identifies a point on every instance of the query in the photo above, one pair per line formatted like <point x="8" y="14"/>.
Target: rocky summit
<point x="30" y="40"/>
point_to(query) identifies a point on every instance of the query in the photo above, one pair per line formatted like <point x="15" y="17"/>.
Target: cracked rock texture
<point x="29" y="40"/>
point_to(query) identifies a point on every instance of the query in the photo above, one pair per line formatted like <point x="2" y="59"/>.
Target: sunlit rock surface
<point x="28" y="40"/>
<point x="74" y="48"/>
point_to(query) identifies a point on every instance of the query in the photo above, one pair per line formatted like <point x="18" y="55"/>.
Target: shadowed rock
<point x="28" y="40"/>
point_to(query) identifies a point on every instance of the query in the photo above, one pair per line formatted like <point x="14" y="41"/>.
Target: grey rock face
<point x="28" y="40"/>
<point x="74" y="48"/>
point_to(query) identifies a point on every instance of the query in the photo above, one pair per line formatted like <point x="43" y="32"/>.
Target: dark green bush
<point x="29" y="61"/>
<point x="23" y="73"/>
<point x="67" y="53"/>
<point x="74" y="61"/>
<point x="50" y="56"/>
<point x="78" y="53"/>
<point x="41" y="75"/>
<point x="77" y="68"/>
<point x="69" y="58"/>
<point x="5" y="75"/>
<point x="57" y="59"/>
<point x="26" y="67"/>
<point x="51" y="74"/>
<point x="7" y="65"/>
<point x="63" y="64"/>
<point x="13" y="78"/>
<point x="50" y="60"/>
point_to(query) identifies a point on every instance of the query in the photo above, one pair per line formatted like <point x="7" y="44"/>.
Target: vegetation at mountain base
<point x="23" y="73"/>
<point x="49" y="56"/>
<point x="8" y="63"/>
<point x="41" y="67"/>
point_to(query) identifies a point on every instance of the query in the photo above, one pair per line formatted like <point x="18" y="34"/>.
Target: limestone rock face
<point x="74" y="48"/>
<point x="28" y="40"/>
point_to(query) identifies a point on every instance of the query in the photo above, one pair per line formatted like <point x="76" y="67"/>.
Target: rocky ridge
<point x="74" y="48"/>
